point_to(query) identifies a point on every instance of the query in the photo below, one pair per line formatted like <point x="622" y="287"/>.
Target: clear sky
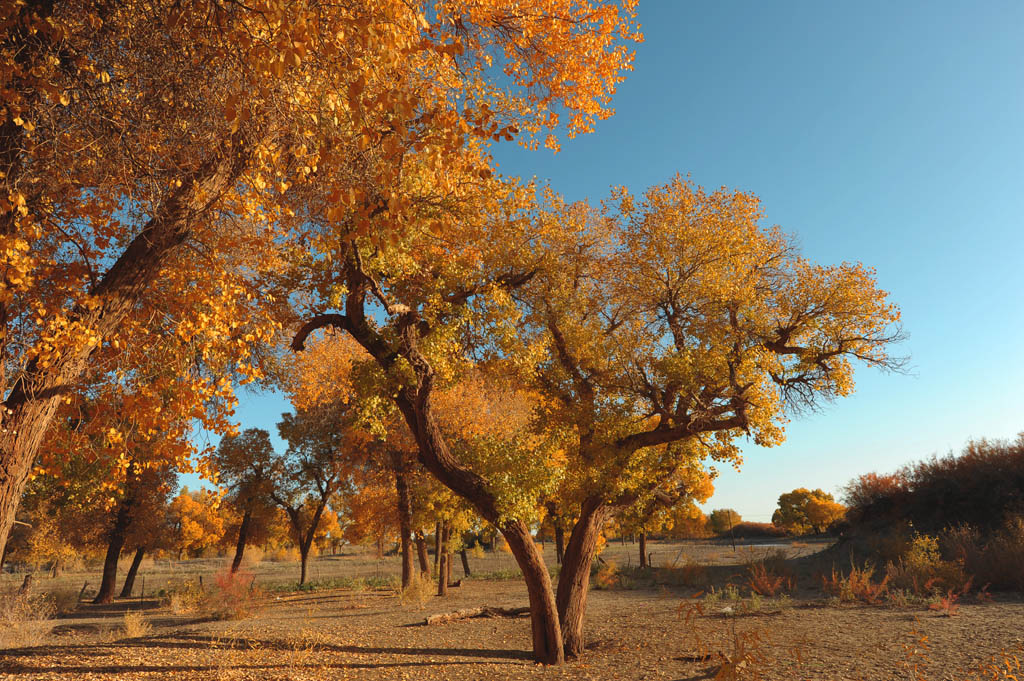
<point x="882" y="132"/>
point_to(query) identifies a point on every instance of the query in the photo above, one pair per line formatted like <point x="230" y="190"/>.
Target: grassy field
<point x="689" y="617"/>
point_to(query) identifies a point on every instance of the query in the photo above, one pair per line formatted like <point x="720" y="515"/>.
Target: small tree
<point x="316" y="465"/>
<point x="245" y="463"/>
<point x="803" y="510"/>
<point x="197" y="524"/>
<point x="722" y="520"/>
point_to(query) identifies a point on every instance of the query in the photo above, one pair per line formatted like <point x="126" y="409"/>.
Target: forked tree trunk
<point x="574" y="578"/>
<point x="421" y="550"/>
<point x="544" y="620"/>
<point x="405" y="527"/>
<point x="115" y="542"/>
<point x="559" y="544"/>
<point x="442" y="570"/>
<point x="133" y="569"/>
<point x="243" y="536"/>
<point x="643" y="550"/>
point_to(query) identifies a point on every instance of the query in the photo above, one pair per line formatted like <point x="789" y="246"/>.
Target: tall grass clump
<point x="23" y="618"/>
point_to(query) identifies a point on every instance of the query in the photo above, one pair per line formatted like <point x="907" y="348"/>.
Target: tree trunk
<point x="33" y="399"/>
<point x="544" y="620"/>
<point x="115" y="542"/>
<point x="415" y="404"/>
<point x="243" y="535"/>
<point x="437" y="546"/>
<point x="304" y="555"/>
<point x="421" y="549"/>
<point x="574" y="579"/>
<point x="129" y="579"/>
<point x="643" y="550"/>
<point x="559" y="544"/>
<point x="405" y="527"/>
<point x="465" y="562"/>
<point x="442" y="552"/>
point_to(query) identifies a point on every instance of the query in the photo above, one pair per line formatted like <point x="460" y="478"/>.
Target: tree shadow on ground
<point x="16" y="669"/>
<point x="190" y="641"/>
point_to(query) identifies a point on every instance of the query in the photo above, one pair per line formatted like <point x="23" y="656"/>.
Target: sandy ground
<point x="648" y="632"/>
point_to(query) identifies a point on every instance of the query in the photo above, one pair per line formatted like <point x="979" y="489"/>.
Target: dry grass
<point x="418" y="593"/>
<point x="23" y="618"/>
<point x="135" y="625"/>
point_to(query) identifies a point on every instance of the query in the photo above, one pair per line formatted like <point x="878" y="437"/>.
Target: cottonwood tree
<point x="317" y="465"/>
<point x="151" y="529"/>
<point x="132" y="131"/>
<point x="804" y="510"/>
<point x="676" y="318"/>
<point x="722" y="520"/>
<point x="245" y="465"/>
<point x="128" y="130"/>
<point x="197" y="523"/>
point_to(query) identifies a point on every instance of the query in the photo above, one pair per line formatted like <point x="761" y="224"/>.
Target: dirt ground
<point x="644" y="631"/>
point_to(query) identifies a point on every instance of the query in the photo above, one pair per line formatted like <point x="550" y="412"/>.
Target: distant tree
<point x="722" y="520"/>
<point x="197" y="524"/>
<point x="151" y="528"/>
<point x="318" y="463"/>
<point x="802" y="511"/>
<point x="245" y="463"/>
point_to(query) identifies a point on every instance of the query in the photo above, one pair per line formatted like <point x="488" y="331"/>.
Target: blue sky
<point x="886" y="133"/>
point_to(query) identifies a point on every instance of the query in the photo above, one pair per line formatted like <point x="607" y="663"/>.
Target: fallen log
<point x="469" y="613"/>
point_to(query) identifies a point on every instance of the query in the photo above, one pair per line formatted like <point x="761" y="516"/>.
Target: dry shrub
<point x="689" y="573"/>
<point x="748" y="530"/>
<point x="922" y="571"/>
<point x="856" y="586"/>
<point x="607" y="576"/>
<point x="183" y="598"/>
<point x="231" y="597"/>
<point x="285" y="554"/>
<point x="23" y="618"/>
<point x="65" y="601"/>
<point x="766" y="582"/>
<point x="135" y="625"/>
<point x="996" y="561"/>
<point x="252" y="557"/>
<point x="419" y="591"/>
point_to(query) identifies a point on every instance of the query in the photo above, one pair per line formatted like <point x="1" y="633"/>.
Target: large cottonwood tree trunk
<point x="574" y="577"/>
<point x="133" y="569"/>
<point x="405" y="527"/>
<point x="32" y="401"/>
<point x="243" y="536"/>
